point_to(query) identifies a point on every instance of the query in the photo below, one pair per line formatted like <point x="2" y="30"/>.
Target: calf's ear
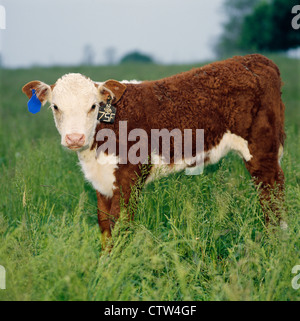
<point x="42" y="90"/>
<point x="112" y="88"/>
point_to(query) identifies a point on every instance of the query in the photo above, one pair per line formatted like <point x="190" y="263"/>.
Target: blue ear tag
<point x="34" y="104"/>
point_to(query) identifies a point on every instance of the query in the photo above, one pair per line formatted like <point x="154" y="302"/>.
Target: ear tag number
<point x="34" y="104"/>
<point x="107" y="114"/>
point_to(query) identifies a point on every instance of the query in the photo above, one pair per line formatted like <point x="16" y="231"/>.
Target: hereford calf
<point x="237" y="102"/>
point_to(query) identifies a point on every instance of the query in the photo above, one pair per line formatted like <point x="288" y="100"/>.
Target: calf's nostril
<point x="82" y="138"/>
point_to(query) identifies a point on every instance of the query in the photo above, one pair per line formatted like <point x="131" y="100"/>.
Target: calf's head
<point x="75" y="101"/>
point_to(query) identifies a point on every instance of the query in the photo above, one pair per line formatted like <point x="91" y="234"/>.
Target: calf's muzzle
<point x="74" y="141"/>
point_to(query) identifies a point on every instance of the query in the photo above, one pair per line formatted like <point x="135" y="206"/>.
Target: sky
<point x="55" y="32"/>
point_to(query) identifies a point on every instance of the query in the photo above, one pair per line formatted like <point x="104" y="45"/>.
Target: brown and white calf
<point x="237" y="102"/>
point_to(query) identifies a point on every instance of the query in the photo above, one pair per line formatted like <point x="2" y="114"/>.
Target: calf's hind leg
<point x="268" y="175"/>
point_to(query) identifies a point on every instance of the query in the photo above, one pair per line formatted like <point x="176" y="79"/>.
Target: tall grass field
<point x="193" y="238"/>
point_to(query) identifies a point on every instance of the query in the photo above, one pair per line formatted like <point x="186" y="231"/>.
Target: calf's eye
<point x="55" y="107"/>
<point x="93" y="107"/>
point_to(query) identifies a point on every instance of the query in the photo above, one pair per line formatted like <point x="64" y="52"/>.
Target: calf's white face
<point x="75" y="102"/>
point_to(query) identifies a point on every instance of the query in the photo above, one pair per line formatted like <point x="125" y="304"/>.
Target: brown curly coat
<point x="241" y="95"/>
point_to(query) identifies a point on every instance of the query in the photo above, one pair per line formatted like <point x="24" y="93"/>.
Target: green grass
<point x="193" y="238"/>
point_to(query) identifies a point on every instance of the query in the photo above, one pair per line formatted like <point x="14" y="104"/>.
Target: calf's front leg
<point x="109" y="208"/>
<point x="104" y="219"/>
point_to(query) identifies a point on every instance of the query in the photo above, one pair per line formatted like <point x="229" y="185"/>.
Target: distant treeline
<point x="259" y="26"/>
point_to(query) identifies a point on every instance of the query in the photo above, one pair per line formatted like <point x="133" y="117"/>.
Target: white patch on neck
<point x="133" y="82"/>
<point x="99" y="171"/>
